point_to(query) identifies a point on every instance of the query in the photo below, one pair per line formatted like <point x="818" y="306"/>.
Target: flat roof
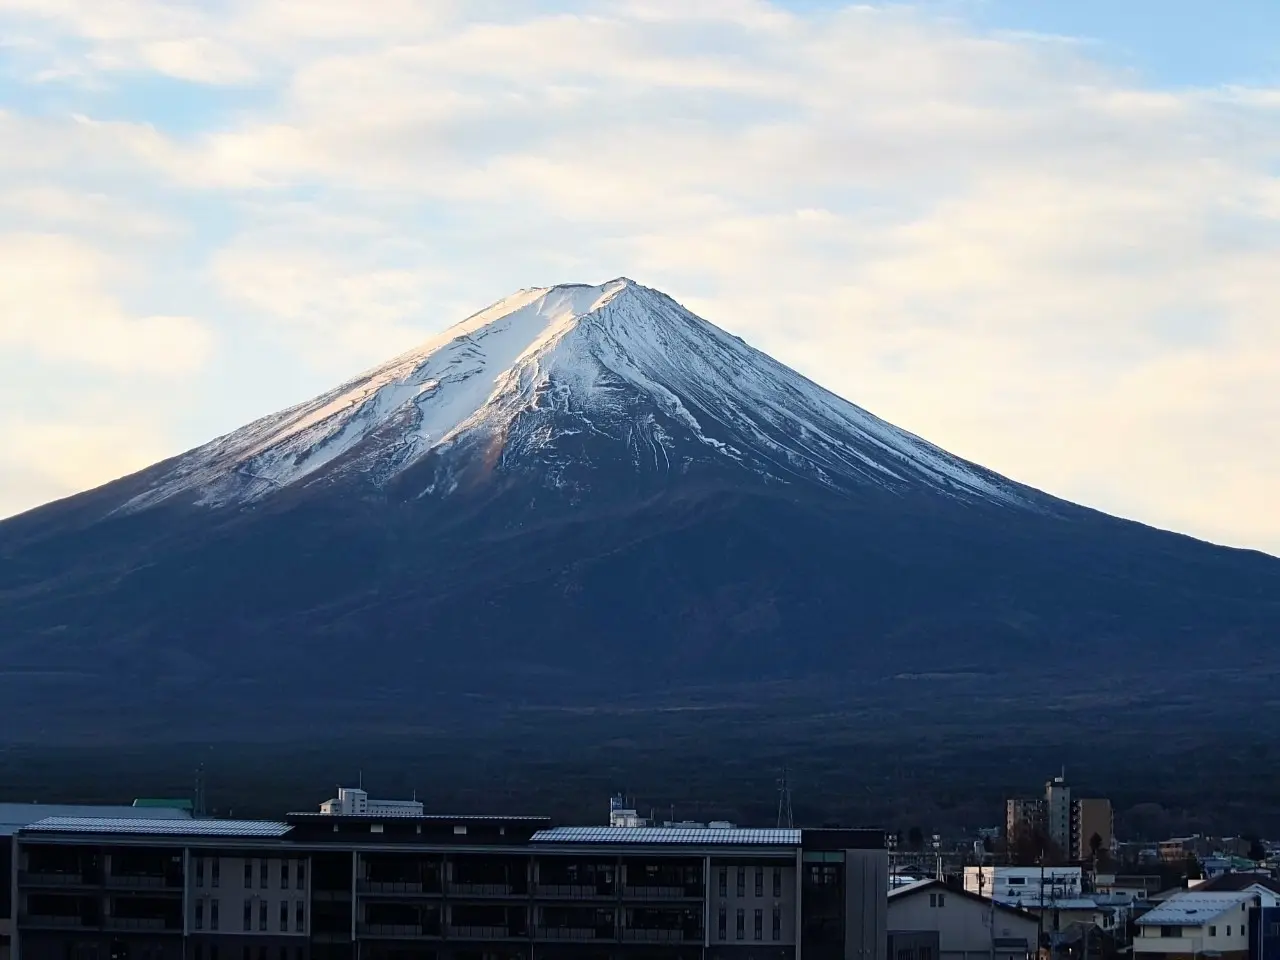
<point x="738" y="836"/>
<point x="159" y="827"/>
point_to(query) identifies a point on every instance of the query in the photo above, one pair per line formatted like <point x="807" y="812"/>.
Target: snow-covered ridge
<point x="618" y="360"/>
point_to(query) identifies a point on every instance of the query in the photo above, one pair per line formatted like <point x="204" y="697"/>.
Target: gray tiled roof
<point x="15" y="816"/>
<point x="160" y="827"/>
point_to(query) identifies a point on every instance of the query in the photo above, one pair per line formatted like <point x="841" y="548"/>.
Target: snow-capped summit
<point x="556" y="379"/>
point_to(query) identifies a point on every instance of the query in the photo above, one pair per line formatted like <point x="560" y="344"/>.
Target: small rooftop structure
<point x="159" y="803"/>
<point x="355" y="802"/>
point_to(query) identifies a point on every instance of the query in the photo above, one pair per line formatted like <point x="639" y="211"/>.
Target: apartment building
<point x="1071" y="823"/>
<point x="400" y="887"/>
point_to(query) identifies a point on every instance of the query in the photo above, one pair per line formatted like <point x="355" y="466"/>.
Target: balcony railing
<point x="140" y="923"/>
<point x="574" y="891"/>
<point x="462" y="932"/>
<point x="36" y="879"/>
<point x="483" y="889"/>
<point x="692" y="892"/>
<point x="405" y="931"/>
<point x="661" y="935"/>
<point x="396" y="886"/>
<point x="141" y="881"/>
<point x="576" y="933"/>
<point x="51" y="920"/>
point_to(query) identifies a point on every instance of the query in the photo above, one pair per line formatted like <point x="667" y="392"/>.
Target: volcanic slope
<point x="577" y="495"/>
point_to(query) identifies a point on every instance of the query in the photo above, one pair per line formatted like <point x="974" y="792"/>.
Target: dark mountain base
<point x="863" y="766"/>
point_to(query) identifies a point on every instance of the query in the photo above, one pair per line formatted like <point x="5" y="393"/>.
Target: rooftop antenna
<point x="785" y="817"/>
<point x="199" y="797"/>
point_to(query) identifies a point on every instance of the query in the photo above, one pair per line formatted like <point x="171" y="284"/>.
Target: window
<point x="262" y="874"/>
<point x="777" y="923"/>
<point x="1168" y="932"/>
<point x="248" y="874"/>
<point x="742" y="924"/>
<point x="213" y="948"/>
<point x="301" y="874"/>
<point x="217" y="861"/>
<point x="1228" y="930"/>
<point x="262" y="915"/>
<point x="724" y="881"/>
<point x="248" y="915"/>
<point x="284" y="874"/>
<point x="759" y="881"/>
<point x="199" y="871"/>
<point x="300" y="917"/>
<point x="759" y="928"/>
<point x="199" y="914"/>
<point x="284" y="916"/>
<point x="777" y="881"/>
<point x="742" y="881"/>
<point x="942" y="899"/>
<point x="722" y="921"/>
<point x="1016" y="881"/>
<point x="213" y="915"/>
<point x="1213" y="931"/>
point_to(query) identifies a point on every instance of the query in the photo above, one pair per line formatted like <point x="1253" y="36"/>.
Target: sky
<point x="1042" y="234"/>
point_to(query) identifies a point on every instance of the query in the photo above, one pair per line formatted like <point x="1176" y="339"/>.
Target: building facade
<point x="365" y="887"/>
<point x="1025" y="887"/>
<point x="968" y="927"/>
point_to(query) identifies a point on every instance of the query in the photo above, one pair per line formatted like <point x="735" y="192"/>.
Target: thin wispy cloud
<point x="997" y="240"/>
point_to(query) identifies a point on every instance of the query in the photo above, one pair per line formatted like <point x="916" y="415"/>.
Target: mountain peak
<point x="572" y="384"/>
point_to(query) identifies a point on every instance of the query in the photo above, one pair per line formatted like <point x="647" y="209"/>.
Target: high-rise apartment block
<point x="1078" y="827"/>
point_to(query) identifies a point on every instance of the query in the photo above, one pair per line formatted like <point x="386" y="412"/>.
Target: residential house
<point x="1197" y="923"/>
<point x="969" y="927"/>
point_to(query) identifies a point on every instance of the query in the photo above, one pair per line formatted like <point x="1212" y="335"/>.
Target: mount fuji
<point x="578" y="497"/>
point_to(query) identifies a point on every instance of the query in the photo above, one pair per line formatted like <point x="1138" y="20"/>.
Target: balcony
<point x="483" y="890"/>
<point x="145" y="881"/>
<point x="663" y="893"/>
<point x="56" y="880"/>
<point x="141" y="923"/>
<point x="557" y="891"/>
<point x="576" y="933"/>
<point x="661" y="936"/>
<point x="397" y="931"/>
<point x="397" y="888"/>
<point x="52" y="921"/>
<point x="485" y="933"/>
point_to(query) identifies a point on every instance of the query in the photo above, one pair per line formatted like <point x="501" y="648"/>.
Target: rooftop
<point x="16" y="816"/>
<point x="1192" y="908"/>
<point x="704" y="836"/>
<point x="173" y="827"/>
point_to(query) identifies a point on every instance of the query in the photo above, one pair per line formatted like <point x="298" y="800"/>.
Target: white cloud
<point x="1013" y="250"/>
<point x="55" y="304"/>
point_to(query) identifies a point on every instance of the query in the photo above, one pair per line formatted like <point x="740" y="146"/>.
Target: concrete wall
<point x="232" y="893"/>
<point x="866" y="879"/>
<point x="784" y="904"/>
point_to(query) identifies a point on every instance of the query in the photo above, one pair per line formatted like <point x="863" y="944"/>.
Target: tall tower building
<point x="1059" y="815"/>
